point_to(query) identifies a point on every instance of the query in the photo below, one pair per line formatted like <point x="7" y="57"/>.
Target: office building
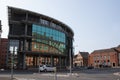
<point x="38" y="39"/>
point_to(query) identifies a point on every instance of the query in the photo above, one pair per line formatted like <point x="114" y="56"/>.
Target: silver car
<point x="46" y="68"/>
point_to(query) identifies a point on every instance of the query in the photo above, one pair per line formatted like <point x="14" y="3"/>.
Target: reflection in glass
<point x="47" y="40"/>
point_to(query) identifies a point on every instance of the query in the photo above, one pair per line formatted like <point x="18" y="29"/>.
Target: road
<point x="92" y="74"/>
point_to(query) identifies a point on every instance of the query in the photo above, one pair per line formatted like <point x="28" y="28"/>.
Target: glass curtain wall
<point x="47" y="40"/>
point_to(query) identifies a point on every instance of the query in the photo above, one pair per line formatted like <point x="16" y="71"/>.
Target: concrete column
<point x="51" y="60"/>
<point x="65" y="62"/>
<point x="25" y="40"/>
<point x="20" y="61"/>
<point x="39" y="60"/>
<point x="34" y="61"/>
<point x="60" y="62"/>
<point x="47" y="60"/>
<point x="24" y="62"/>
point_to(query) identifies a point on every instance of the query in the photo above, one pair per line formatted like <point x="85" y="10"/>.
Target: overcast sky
<point x="96" y="23"/>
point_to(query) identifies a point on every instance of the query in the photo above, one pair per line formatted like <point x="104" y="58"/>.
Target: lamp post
<point x="70" y="61"/>
<point x="13" y="51"/>
<point x="12" y="61"/>
<point x="70" y="56"/>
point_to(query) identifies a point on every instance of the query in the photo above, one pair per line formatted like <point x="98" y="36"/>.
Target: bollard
<point x="55" y="71"/>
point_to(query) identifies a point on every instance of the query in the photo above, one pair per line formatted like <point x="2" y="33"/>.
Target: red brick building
<point x="118" y="50"/>
<point x="3" y="52"/>
<point x="104" y="58"/>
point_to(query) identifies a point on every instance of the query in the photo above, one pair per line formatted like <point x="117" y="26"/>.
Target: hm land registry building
<point x="36" y="39"/>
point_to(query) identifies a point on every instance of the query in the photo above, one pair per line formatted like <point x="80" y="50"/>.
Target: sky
<point x="96" y="23"/>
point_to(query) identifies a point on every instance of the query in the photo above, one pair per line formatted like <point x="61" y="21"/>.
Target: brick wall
<point x="3" y="52"/>
<point x="103" y="58"/>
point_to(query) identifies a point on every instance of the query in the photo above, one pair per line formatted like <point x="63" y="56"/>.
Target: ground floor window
<point x="35" y="61"/>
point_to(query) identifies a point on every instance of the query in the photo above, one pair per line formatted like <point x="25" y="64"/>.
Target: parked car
<point x="46" y="68"/>
<point x="2" y="69"/>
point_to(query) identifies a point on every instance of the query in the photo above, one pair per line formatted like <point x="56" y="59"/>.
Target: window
<point x="53" y="25"/>
<point x="94" y="57"/>
<point x="45" y="48"/>
<point x="45" y="35"/>
<point x="45" y="22"/>
<point x="40" y="31"/>
<point x="35" y="46"/>
<point x="104" y="57"/>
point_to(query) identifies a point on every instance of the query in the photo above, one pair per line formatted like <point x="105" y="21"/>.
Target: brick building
<point x="104" y="58"/>
<point x="118" y="50"/>
<point x="81" y="59"/>
<point x="3" y="52"/>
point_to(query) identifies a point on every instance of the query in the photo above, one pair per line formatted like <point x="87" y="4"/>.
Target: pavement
<point x="46" y="75"/>
<point x="7" y="78"/>
<point x="32" y="76"/>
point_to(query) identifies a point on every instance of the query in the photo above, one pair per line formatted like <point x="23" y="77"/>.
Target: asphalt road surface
<point x="84" y="74"/>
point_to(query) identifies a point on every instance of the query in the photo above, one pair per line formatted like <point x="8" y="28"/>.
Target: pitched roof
<point x="84" y="54"/>
<point x="75" y="56"/>
<point x="118" y="46"/>
<point x="113" y="49"/>
<point x="117" y="49"/>
<point x="103" y="50"/>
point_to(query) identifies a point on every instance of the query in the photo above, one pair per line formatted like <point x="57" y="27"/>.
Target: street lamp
<point x="13" y="51"/>
<point x="70" y="61"/>
<point x="70" y="56"/>
<point x="12" y="63"/>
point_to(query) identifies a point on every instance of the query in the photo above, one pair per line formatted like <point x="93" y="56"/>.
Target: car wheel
<point x="45" y="70"/>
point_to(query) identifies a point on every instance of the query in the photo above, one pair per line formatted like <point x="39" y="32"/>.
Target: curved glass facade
<point x="47" y="40"/>
<point x="41" y="39"/>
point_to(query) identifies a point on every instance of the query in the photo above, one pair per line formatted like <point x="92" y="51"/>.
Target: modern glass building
<point x="36" y="39"/>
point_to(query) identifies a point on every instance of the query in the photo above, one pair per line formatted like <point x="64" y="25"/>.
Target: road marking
<point x="118" y="73"/>
<point x="24" y="79"/>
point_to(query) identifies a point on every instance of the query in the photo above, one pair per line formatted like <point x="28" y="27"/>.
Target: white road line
<point x="24" y="79"/>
